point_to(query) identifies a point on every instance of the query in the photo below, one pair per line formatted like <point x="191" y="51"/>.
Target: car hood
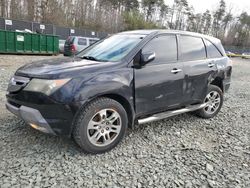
<point x="61" y="67"/>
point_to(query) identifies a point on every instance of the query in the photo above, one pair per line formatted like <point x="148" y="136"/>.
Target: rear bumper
<point x="31" y="116"/>
<point x="68" y="53"/>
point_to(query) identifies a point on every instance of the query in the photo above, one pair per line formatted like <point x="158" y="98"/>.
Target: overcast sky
<point x="202" y="5"/>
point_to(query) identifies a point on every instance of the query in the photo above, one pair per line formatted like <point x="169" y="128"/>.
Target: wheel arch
<point x="218" y="81"/>
<point x="126" y="105"/>
<point x="118" y="98"/>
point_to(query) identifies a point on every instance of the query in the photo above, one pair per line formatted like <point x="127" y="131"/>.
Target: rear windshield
<point x="70" y="40"/>
<point x="113" y="48"/>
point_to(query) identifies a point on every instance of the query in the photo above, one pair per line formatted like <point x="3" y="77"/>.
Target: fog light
<point x="34" y="126"/>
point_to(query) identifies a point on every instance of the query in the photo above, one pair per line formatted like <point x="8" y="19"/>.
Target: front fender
<point x="115" y="83"/>
<point x="118" y="82"/>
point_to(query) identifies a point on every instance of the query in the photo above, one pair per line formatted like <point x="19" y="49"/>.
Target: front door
<point x="159" y="84"/>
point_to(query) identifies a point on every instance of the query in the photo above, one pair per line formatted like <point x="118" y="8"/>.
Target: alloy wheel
<point x="212" y="101"/>
<point x="104" y="127"/>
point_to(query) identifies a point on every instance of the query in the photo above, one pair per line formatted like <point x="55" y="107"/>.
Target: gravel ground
<point x="183" y="151"/>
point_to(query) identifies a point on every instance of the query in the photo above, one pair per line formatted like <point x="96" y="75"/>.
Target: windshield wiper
<point x="93" y="58"/>
<point x="90" y="58"/>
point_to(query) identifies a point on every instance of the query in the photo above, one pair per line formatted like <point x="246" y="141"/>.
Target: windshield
<point x="111" y="49"/>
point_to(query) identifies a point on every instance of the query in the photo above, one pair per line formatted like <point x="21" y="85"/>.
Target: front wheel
<point x="100" y="126"/>
<point x="213" y="101"/>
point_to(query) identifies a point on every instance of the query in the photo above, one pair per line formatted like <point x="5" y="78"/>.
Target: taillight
<point x="73" y="48"/>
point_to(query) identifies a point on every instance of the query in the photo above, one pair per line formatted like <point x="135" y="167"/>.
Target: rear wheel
<point x="213" y="101"/>
<point x="100" y="126"/>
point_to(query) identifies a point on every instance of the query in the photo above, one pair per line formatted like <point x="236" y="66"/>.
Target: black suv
<point x="128" y="78"/>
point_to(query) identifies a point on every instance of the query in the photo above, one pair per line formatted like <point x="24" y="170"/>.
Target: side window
<point x="165" y="48"/>
<point x="82" y="41"/>
<point x="212" y="51"/>
<point x="192" y="48"/>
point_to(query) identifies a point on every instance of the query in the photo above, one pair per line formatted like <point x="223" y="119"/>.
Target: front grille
<point x="17" y="83"/>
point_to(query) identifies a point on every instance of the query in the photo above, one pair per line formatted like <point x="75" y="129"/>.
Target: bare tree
<point x="117" y="15"/>
<point x="3" y="7"/>
<point x="31" y="9"/>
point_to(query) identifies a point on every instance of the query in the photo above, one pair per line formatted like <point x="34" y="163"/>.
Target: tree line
<point x="118" y="15"/>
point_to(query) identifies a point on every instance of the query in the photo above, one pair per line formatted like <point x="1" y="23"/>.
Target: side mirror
<point x="147" y="57"/>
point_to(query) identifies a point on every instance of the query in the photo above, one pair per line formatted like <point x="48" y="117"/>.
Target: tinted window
<point x="192" y="48"/>
<point x="165" y="49"/>
<point x="212" y="51"/>
<point x="82" y="41"/>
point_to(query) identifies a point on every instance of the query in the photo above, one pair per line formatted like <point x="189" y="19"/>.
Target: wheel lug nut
<point x="102" y="131"/>
<point x="107" y="128"/>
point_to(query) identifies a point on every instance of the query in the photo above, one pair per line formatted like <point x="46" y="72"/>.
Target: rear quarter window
<point x="212" y="51"/>
<point x="192" y="48"/>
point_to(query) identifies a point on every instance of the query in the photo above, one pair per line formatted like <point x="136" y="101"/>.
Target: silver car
<point x="75" y="44"/>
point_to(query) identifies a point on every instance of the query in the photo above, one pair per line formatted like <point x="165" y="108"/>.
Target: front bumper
<point x="31" y="116"/>
<point x="42" y="112"/>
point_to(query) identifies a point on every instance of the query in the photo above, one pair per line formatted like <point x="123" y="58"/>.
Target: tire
<point x="218" y="94"/>
<point x="100" y="126"/>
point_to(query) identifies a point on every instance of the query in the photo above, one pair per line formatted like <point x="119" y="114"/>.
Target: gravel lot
<point x="183" y="151"/>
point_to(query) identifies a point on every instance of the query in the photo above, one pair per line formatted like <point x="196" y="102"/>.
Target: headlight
<point x="45" y="86"/>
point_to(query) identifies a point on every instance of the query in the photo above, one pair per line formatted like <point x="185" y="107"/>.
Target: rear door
<point x="198" y="69"/>
<point x="159" y="84"/>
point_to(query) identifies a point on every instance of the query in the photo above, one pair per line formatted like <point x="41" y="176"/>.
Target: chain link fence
<point x="50" y="29"/>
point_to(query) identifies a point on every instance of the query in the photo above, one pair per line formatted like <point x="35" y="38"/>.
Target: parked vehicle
<point x="61" y="45"/>
<point x="230" y="54"/>
<point x="75" y="44"/>
<point x="246" y="55"/>
<point x="128" y="78"/>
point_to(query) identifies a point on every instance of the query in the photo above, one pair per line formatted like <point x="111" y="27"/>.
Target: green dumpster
<point x="12" y="42"/>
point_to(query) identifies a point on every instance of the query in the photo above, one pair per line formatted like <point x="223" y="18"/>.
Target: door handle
<point x="210" y="65"/>
<point x="175" y="71"/>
